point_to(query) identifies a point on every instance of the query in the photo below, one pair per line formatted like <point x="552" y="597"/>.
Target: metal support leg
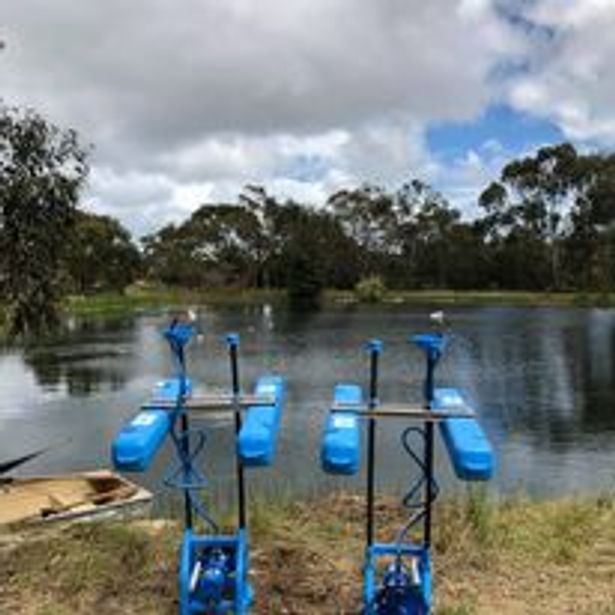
<point x="233" y="344"/>
<point x="185" y="444"/>
<point x="429" y="445"/>
<point x="375" y="348"/>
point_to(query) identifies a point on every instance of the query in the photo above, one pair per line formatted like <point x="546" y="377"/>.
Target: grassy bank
<point x="510" y="298"/>
<point x="143" y="299"/>
<point x="516" y="557"/>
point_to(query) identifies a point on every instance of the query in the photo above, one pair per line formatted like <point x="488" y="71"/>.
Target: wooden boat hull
<point x="84" y="496"/>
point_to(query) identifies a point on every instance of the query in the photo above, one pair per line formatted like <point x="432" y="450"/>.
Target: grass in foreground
<point x="511" y="558"/>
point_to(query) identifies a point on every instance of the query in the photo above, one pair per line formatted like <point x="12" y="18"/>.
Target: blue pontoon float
<point x="397" y="576"/>
<point x="213" y="573"/>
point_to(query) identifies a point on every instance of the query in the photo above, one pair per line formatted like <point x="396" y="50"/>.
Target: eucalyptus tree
<point x="446" y="250"/>
<point x="167" y="257"/>
<point x="266" y="242"/>
<point x="404" y="235"/>
<point x="589" y="248"/>
<point x="514" y="237"/>
<point x="367" y="217"/>
<point x="42" y="170"/>
<point x="100" y="254"/>
<point x="533" y="199"/>
<point x="216" y="246"/>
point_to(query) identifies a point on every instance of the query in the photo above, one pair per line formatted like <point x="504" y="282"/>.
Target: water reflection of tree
<point x="294" y="326"/>
<point x="598" y="372"/>
<point x="88" y="357"/>
<point x="80" y="374"/>
<point x="546" y="375"/>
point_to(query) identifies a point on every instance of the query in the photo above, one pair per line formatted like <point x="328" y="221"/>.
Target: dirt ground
<point x="506" y="558"/>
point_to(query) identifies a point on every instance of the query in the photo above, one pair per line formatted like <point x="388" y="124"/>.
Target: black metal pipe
<point x="371" y="440"/>
<point x="186" y="452"/>
<point x="241" y="486"/>
<point x="177" y="350"/>
<point x="428" y="451"/>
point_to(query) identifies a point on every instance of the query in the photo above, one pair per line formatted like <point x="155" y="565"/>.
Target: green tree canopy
<point x="216" y="246"/>
<point x="42" y="170"/>
<point x="548" y="222"/>
<point x="100" y="254"/>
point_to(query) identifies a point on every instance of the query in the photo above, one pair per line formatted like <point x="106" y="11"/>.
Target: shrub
<point x="371" y="289"/>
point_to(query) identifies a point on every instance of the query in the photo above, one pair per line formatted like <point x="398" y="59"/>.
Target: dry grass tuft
<point x="507" y="558"/>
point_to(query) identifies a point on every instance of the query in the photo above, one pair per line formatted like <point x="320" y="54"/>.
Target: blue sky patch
<point x="513" y="130"/>
<point x="305" y="168"/>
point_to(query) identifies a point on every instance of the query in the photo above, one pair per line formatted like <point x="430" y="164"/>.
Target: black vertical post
<point x="233" y="343"/>
<point x="374" y="347"/>
<point x="429" y="443"/>
<point x="184" y="424"/>
<point x="186" y="452"/>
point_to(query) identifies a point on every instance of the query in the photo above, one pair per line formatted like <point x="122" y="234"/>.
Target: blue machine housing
<point x="222" y="586"/>
<point x="341" y="443"/>
<point x="257" y="439"/>
<point x="380" y="552"/>
<point x="136" y="445"/>
<point x="469" y="449"/>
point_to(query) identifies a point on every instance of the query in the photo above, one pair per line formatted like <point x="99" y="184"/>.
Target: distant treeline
<point x="548" y="223"/>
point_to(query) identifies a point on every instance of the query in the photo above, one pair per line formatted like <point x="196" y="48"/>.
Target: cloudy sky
<point x="186" y="102"/>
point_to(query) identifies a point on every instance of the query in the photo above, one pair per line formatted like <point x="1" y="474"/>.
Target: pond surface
<point x="542" y="380"/>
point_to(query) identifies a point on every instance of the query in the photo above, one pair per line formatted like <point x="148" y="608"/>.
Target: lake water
<point x="542" y="380"/>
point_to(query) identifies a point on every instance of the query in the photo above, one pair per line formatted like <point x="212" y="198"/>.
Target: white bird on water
<point x="437" y="317"/>
<point x="193" y="317"/>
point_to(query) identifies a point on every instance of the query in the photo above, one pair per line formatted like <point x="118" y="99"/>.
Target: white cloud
<point x="307" y="169"/>
<point x="572" y="80"/>
<point x="188" y="102"/>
